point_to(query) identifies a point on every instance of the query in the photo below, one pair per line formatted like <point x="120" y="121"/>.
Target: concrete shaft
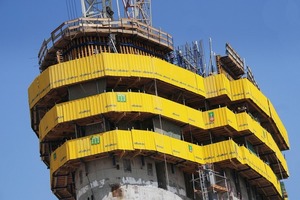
<point x="129" y="178"/>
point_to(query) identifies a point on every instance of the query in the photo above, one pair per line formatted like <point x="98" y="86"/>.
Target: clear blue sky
<point x="266" y="33"/>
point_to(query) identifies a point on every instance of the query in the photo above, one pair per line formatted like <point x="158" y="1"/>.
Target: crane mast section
<point x="97" y="8"/>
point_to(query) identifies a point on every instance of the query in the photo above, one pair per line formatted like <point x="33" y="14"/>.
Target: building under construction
<point x="121" y="113"/>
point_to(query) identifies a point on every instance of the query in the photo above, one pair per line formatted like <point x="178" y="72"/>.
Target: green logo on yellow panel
<point x="121" y="98"/>
<point x="95" y="140"/>
<point x="211" y="116"/>
<point x="191" y="148"/>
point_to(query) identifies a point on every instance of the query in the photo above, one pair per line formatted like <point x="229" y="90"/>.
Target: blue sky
<point x="266" y="33"/>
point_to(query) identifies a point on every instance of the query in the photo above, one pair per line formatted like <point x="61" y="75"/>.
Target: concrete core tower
<point x="120" y="114"/>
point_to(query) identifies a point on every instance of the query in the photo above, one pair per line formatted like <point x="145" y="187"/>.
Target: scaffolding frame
<point x="206" y="184"/>
<point x="190" y="56"/>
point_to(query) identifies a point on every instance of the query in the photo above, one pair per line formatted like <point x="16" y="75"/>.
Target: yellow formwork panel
<point x="217" y="85"/>
<point x="151" y="104"/>
<point x="119" y="102"/>
<point x="214" y="118"/>
<point x="162" y="72"/>
<point x="163" y="144"/>
<point x="114" y="140"/>
<point x="100" y="143"/>
<point x="198" y="153"/>
<point x="34" y="91"/>
<point x="195" y="117"/>
<point x="182" y="150"/>
<point x="156" y="104"/>
<point x="106" y="64"/>
<point x="279" y="123"/>
<point x="116" y="65"/>
<point x="64" y="74"/>
<point x="132" y="65"/>
<point x="243" y="88"/>
<point x="200" y="86"/>
<point x="59" y="157"/>
<point x="245" y="122"/>
<point x="219" y="117"/>
<point x="50" y="120"/>
<point x="231" y="119"/>
<point x="179" y="113"/>
<point x="237" y="90"/>
<point x="143" y="140"/>
<point x="253" y="93"/>
<point x="76" y="71"/>
<point x="226" y="89"/>
<point x="45" y="83"/>
<point x="262" y="168"/>
<point x="218" y="151"/>
<point x="124" y="139"/>
<point x="93" y="67"/>
<point x="113" y="104"/>
<point x="178" y="76"/>
<point x="141" y="66"/>
<point x="238" y="153"/>
<point x="89" y="145"/>
<point x="81" y="148"/>
<point x="134" y="102"/>
<point x="137" y="103"/>
<point x="107" y="102"/>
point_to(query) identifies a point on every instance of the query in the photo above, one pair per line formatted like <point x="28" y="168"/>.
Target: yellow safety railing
<point x="141" y="102"/>
<point x="278" y="122"/>
<point x="218" y="118"/>
<point x="245" y="122"/>
<point x="147" y="140"/>
<point x="125" y="65"/>
<point x="259" y="166"/>
<point x="244" y="89"/>
<point x="108" y="102"/>
<point x="217" y="85"/>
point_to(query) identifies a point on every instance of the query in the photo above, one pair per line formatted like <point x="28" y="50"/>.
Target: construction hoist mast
<point x="133" y="9"/>
<point x="139" y="10"/>
<point x="97" y="8"/>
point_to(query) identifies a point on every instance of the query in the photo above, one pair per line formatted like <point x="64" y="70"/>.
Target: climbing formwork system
<point x="121" y="113"/>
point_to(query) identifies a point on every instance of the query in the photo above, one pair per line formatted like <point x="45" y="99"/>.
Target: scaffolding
<point x="209" y="184"/>
<point x="190" y="57"/>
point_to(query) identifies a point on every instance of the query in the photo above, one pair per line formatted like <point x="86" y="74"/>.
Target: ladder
<point x="203" y="185"/>
<point x="59" y="56"/>
<point x="111" y="43"/>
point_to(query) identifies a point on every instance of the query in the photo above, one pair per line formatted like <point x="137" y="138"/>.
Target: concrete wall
<point x="126" y="178"/>
<point x="86" y="89"/>
<point x="176" y="180"/>
<point x="239" y="188"/>
<point x="167" y="128"/>
<point x="146" y="179"/>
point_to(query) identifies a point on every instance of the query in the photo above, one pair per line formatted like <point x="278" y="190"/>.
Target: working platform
<point x="232" y="63"/>
<point x="87" y="36"/>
